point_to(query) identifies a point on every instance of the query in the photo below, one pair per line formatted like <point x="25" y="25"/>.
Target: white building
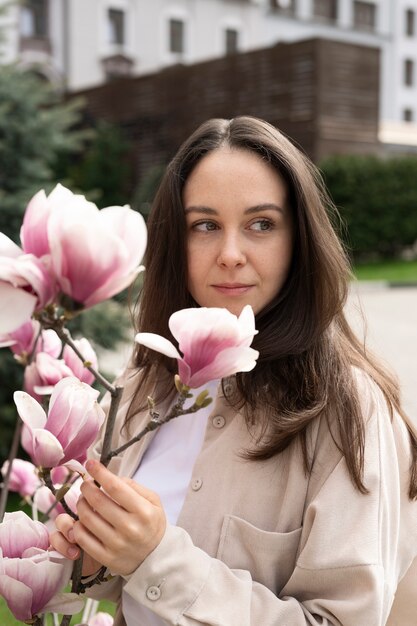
<point x="82" y="43"/>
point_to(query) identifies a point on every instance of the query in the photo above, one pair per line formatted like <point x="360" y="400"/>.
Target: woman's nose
<point x="231" y="253"/>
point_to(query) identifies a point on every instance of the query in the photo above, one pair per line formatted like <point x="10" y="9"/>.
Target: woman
<point x="298" y="502"/>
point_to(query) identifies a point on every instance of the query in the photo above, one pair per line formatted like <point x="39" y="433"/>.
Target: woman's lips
<point x="232" y="289"/>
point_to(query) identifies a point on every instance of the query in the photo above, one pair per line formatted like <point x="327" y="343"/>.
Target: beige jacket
<point x="264" y="544"/>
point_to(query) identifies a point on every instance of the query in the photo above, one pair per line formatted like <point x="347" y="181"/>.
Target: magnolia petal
<point x="246" y="322"/>
<point x="101" y="619"/>
<point x="16" y="307"/>
<point x="65" y="603"/>
<point x="77" y="448"/>
<point x="8" y="247"/>
<point x="193" y="326"/>
<point x="30" y="411"/>
<point x="130" y="227"/>
<point x="7" y="343"/>
<point x="114" y="285"/>
<point x="18" y="597"/>
<point x="75" y="466"/>
<point x="158" y="343"/>
<point x="47" y="451"/>
<point x="43" y="390"/>
<point x="226" y="363"/>
<point x="33" y="233"/>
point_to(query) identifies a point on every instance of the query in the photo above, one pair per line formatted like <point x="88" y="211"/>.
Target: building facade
<point x="78" y="44"/>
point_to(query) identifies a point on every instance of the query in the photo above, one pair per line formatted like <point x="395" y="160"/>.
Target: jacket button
<point x="153" y="593"/>
<point x="218" y="421"/>
<point x="196" y="484"/>
<point x="228" y="388"/>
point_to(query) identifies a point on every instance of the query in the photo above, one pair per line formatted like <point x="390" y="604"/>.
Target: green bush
<point x="377" y="199"/>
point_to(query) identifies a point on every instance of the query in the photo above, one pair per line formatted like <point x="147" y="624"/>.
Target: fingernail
<point x="72" y="551"/>
<point x="90" y="465"/>
<point x="71" y="536"/>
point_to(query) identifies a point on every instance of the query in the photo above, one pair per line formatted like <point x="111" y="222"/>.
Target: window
<point x="408" y="115"/>
<point x="34" y="18"/>
<point x="231" y="40"/>
<point x="410" y="18"/>
<point x="325" y="9"/>
<point x="285" y="6"/>
<point x="116" y="26"/>
<point x="408" y="72"/>
<point x="364" y="15"/>
<point x="176" y="35"/>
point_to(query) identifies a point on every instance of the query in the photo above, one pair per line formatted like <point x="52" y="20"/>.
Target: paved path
<point x="391" y="331"/>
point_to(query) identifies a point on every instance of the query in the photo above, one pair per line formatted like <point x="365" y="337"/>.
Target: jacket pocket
<point x="269" y="557"/>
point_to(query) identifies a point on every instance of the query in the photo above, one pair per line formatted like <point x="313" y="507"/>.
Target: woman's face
<point x="239" y="231"/>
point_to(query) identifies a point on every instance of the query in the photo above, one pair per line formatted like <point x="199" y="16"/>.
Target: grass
<point x="393" y="271"/>
<point x="7" y="619"/>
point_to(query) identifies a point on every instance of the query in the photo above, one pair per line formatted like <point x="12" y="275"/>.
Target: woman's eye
<point x="261" y="225"/>
<point x="204" y="227"/>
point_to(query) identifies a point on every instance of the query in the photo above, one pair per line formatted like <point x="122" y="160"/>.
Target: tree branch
<point x="12" y="456"/>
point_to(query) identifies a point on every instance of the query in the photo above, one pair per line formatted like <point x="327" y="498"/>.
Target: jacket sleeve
<point x="354" y="549"/>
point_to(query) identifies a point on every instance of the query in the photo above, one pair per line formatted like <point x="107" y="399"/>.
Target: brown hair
<point x="306" y="346"/>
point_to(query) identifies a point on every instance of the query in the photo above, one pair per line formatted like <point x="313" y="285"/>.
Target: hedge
<point x="377" y="200"/>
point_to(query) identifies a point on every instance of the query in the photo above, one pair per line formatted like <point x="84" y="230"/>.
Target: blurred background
<point x="98" y="94"/>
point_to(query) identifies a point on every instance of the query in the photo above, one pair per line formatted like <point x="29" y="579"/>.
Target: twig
<point x="65" y="336"/>
<point x="46" y="477"/>
<point x="116" y="396"/>
<point x="77" y="573"/>
<point x="12" y="456"/>
<point x="154" y="423"/>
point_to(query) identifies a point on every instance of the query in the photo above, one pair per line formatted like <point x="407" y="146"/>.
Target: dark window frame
<point x="360" y="7"/>
<point x="39" y="11"/>
<point x="410" y="22"/>
<point x="116" y="19"/>
<point x="231" y="40"/>
<point x="327" y="10"/>
<point x="408" y="72"/>
<point x="176" y="35"/>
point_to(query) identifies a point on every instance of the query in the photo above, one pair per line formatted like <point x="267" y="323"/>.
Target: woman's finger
<point x="118" y="489"/>
<point x="95" y="520"/>
<point x="65" y="524"/>
<point x="63" y="546"/>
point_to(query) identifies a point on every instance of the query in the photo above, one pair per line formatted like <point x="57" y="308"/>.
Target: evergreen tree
<point x="35" y="128"/>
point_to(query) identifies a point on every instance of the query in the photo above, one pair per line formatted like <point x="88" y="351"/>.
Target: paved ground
<point x="390" y="318"/>
<point x="391" y="331"/>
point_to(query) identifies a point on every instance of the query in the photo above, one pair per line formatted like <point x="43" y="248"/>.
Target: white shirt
<point x="166" y="468"/>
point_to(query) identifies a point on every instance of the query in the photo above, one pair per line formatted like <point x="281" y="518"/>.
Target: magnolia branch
<point x="12" y="455"/>
<point x="155" y="422"/>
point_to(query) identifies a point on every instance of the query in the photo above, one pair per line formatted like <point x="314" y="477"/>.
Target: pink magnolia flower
<point x="25" y="285"/>
<point x="22" y="340"/>
<point x="45" y="501"/>
<point x="18" y="533"/>
<point x="42" y="375"/>
<point x="78" y="233"/>
<point x="214" y="343"/>
<point x="30" y="575"/>
<point x="72" y="423"/>
<point x="99" y="619"/>
<point x="45" y="371"/>
<point x="23" y="477"/>
<point x="34" y="231"/>
<point x="74" y="362"/>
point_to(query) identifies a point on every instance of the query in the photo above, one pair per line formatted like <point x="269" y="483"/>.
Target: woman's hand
<point x="63" y="541"/>
<point x="120" y="524"/>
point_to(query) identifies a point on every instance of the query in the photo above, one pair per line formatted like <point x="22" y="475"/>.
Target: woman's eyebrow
<point x="200" y="209"/>
<point x="253" y="209"/>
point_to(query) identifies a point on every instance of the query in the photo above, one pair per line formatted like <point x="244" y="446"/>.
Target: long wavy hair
<point x="308" y="351"/>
